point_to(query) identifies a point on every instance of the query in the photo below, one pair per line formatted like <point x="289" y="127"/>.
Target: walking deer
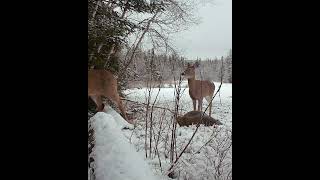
<point x="103" y="83"/>
<point x="198" y="89"/>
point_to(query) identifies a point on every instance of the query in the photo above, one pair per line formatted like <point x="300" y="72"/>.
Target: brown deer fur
<point x="103" y="83"/>
<point x="198" y="89"/>
<point x="194" y="117"/>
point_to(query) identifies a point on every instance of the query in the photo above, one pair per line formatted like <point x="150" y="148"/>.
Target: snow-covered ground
<point x="209" y="156"/>
<point x="222" y="103"/>
<point x="115" y="158"/>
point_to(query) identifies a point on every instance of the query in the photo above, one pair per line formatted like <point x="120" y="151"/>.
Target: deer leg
<point x="208" y="98"/>
<point x="122" y="109"/>
<point x="194" y="104"/>
<point x="199" y="104"/>
<point x="118" y="102"/>
<point x="98" y="101"/>
<point x="210" y="109"/>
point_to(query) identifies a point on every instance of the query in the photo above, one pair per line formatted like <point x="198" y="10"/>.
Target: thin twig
<point x="140" y="39"/>
<point x="159" y="107"/>
<point x="198" y="124"/>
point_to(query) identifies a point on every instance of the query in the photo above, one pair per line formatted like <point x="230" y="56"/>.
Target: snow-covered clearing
<point x="214" y="159"/>
<point x="222" y="103"/>
<point x="209" y="156"/>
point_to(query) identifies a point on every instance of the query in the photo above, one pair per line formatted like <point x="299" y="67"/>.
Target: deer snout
<point x="182" y="74"/>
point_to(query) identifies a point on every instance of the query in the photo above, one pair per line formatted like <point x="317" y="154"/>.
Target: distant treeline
<point x="150" y="66"/>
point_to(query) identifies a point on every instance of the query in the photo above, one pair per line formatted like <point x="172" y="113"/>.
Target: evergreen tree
<point x="108" y="29"/>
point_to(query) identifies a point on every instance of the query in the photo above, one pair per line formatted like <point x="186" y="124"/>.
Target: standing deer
<point x="198" y="89"/>
<point x="103" y="83"/>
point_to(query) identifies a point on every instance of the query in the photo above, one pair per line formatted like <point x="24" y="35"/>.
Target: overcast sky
<point x="211" y="38"/>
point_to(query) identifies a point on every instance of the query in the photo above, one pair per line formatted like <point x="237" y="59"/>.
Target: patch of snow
<point x="115" y="158"/>
<point x="209" y="156"/>
<point x="120" y="122"/>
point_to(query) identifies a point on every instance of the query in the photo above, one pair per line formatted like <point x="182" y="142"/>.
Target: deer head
<point x="189" y="72"/>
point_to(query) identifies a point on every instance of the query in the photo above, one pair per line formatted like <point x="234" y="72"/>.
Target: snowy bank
<point x="120" y="122"/>
<point x="115" y="158"/>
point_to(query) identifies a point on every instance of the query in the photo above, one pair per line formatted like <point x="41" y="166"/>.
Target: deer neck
<point x="192" y="82"/>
